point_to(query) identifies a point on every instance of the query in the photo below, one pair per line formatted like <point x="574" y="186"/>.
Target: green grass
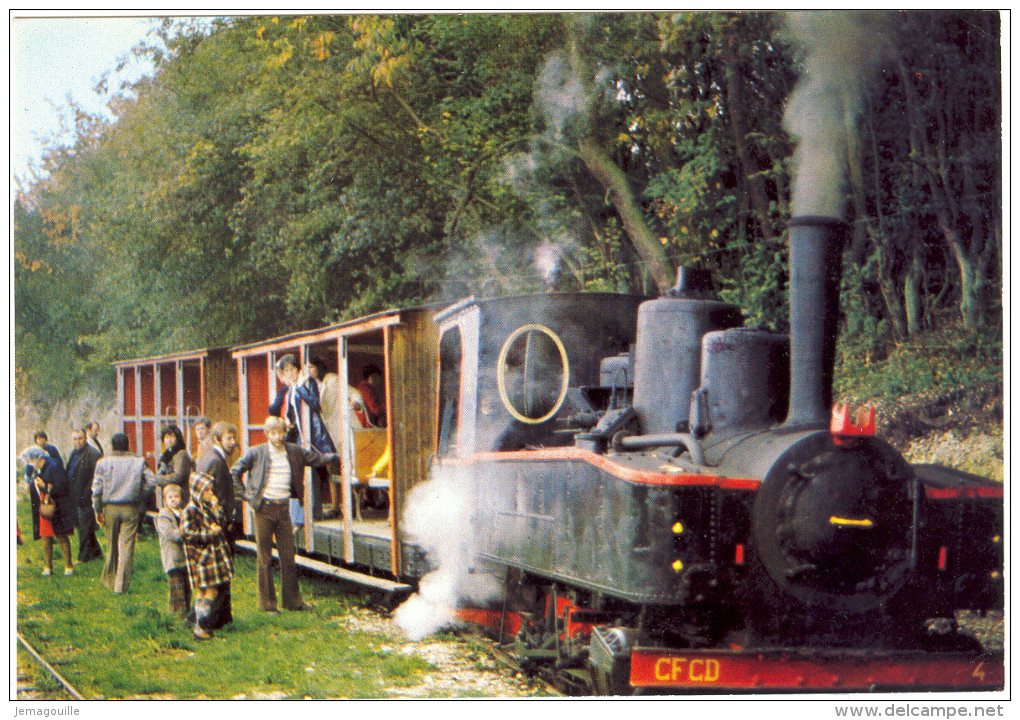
<point x="124" y="646"/>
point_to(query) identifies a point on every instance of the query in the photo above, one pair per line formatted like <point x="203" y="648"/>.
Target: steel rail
<point x="49" y="668"/>
<point x="508" y="660"/>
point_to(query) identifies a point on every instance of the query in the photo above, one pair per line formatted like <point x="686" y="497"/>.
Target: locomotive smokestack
<point x="842" y="50"/>
<point x="816" y="249"/>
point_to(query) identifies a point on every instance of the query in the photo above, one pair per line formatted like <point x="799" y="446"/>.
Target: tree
<point x="280" y="173"/>
<point x="928" y="190"/>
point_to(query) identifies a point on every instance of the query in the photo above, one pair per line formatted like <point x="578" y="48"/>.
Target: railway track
<point x="66" y="690"/>
<point x="505" y="658"/>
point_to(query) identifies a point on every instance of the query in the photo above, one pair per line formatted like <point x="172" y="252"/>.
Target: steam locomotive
<point x="664" y="498"/>
<point x="675" y="505"/>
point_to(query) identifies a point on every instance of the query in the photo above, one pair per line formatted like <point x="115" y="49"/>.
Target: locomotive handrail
<point x="645" y="442"/>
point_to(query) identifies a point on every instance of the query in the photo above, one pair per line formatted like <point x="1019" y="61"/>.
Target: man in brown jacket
<point x="276" y="473"/>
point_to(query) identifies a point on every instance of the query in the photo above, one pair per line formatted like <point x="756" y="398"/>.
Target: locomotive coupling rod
<point x="645" y="442"/>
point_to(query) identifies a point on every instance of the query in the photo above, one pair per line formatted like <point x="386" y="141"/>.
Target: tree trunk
<point x="656" y="265"/>
<point x="970" y="301"/>
<point x="615" y="182"/>
<point x="751" y="169"/>
<point x="895" y="310"/>
<point x="913" y="306"/>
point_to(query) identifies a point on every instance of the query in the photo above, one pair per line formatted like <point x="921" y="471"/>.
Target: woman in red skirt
<point x="49" y="484"/>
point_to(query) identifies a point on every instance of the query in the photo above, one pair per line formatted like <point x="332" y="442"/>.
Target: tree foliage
<point x="279" y="173"/>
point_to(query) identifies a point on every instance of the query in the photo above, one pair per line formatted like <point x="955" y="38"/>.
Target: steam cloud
<point x="559" y="94"/>
<point x="440" y="518"/>
<point x="842" y="51"/>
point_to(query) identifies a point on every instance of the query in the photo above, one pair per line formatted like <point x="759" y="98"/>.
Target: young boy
<point x="168" y="525"/>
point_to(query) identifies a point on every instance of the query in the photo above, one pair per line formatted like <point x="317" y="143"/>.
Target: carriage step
<point x="395" y="591"/>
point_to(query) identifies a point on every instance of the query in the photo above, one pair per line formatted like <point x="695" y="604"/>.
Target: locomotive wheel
<point x="833" y="531"/>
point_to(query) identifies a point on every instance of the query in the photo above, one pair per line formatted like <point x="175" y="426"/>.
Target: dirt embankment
<point x="962" y="429"/>
<point x="66" y="415"/>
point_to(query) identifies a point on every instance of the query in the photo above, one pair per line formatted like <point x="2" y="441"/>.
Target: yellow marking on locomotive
<point x="684" y="670"/>
<point x="851" y="522"/>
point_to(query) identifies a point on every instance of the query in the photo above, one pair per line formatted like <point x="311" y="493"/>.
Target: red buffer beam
<point x="791" y="671"/>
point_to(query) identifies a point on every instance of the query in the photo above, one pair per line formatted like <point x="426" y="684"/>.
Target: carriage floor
<point x="373" y="548"/>
<point x="373" y="528"/>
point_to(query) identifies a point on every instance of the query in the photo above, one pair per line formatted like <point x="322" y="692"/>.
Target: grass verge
<point x="127" y="646"/>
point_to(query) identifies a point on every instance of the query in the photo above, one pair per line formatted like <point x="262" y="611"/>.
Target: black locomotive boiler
<point x="675" y="505"/>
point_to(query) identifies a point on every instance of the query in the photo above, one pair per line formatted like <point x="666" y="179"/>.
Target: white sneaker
<point x="46" y="572"/>
<point x="68" y="572"/>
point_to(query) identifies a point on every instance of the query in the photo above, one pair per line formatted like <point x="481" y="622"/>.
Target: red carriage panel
<point x="168" y="409"/>
<point x="148" y="399"/>
<point x="129" y="392"/>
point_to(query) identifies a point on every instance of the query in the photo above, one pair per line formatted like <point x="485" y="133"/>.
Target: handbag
<point x="47" y="508"/>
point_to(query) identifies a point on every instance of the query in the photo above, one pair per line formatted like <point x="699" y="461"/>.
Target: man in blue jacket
<point x="300" y="390"/>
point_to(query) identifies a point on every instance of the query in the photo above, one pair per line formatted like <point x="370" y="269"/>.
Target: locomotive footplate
<point x="798" y="671"/>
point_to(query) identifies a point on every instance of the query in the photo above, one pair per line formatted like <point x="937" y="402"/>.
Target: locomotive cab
<point x="517" y="372"/>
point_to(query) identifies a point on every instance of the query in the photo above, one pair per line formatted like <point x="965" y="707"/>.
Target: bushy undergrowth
<point x="939" y="397"/>
<point x="870" y="366"/>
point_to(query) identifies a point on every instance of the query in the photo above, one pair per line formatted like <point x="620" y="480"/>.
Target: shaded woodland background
<point x="282" y="173"/>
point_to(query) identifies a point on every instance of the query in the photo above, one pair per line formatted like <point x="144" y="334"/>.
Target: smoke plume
<point x="842" y="50"/>
<point x="559" y="94"/>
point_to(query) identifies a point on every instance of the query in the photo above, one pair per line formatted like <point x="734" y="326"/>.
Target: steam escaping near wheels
<point x="440" y="517"/>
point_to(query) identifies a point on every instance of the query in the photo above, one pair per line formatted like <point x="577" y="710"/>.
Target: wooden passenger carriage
<point x="401" y="343"/>
<point x="174" y="388"/>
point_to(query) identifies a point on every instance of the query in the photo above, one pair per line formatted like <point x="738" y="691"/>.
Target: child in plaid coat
<point x="210" y="567"/>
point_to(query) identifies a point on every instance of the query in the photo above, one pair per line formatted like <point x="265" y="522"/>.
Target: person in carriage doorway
<point x="275" y="474"/>
<point x="300" y="389"/>
<point x="81" y="469"/>
<point x="48" y="486"/>
<point x="328" y="383"/>
<point x="371" y="388"/>
<point x="214" y="463"/>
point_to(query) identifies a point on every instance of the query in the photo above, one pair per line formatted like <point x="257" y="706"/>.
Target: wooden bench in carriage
<point x="401" y="343"/>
